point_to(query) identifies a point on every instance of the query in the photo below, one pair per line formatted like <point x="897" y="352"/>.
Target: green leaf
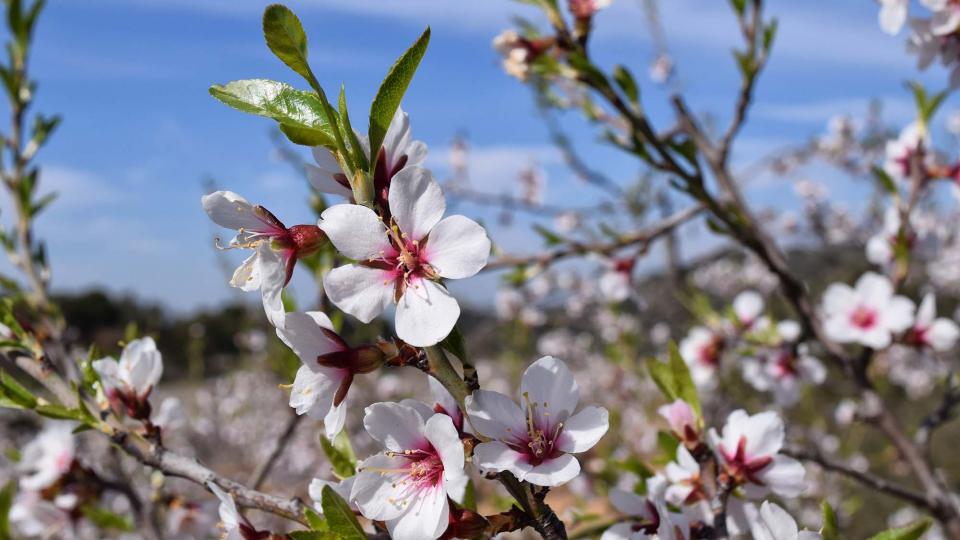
<point x="391" y="91"/>
<point x="455" y="344"/>
<point x="911" y="532"/>
<point x="15" y="392"/>
<point x="341" y="456"/>
<point x="673" y="379"/>
<point x="769" y="32"/>
<point x="286" y="38"/>
<point x="359" y="159"/>
<point x="884" y="179"/>
<point x="830" y="530"/>
<point x="738" y="5"/>
<point x="299" y="113"/>
<point x="315" y="520"/>
<point x="551" y="238"/>
<point x="626" y="82"/>
<point x="340" y="517"/>
<point x="6" y="501"/>
<point x="312" y="535"/>
<point x="59" y="412"/>
<point x="106" y="519"/>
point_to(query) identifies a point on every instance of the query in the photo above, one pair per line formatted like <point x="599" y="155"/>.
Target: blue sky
<point x="140" y="132"/>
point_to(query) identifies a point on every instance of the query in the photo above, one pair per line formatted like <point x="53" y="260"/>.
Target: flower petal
<point x="313" y="391"/>
<point x="395" y="426"/>
<point x="497" y="457"/>
<point x="549" y="384"/>
<point x="764" y="433"/>
<point x="416" y="202"/>
<point x="943" y="334"/>
<point x="442" y="434"/>
<point x="584" y="429"/>
<point x="785" y="476"/>
<point x="360" y="291"/>
<point x="380" y="495"/>
<point x="554" y="472"/>
<point x="141" y="364"/>
<point x="356" y="231"/>
<point x="232" y="211"/>
<point x="247" y="276"/>
<point x="273" y="277"/>
<point x="426" y="313"/>
<point x="303" y="333"/>
<point x="426" y="518"/>
<point x="495" y="415"/>
<point x="457" y="247"/>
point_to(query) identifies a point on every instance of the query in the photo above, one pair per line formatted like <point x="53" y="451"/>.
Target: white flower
<point x="46" y="458"/>
<point x="865" y="314"/>
<point x="407" y="485"/>
<point x="518" y="53"/>
<point x="748" y="306"/>
<point x="170" y="415"/>
<point x="234" y="525"/>
<point x="616" y="282"/>
<point x="341" y="488"/>
<point x="774" y="523"/>
<point x="900" y="152"/>
<point x="661" y="68"/>
<point x="128" y="383"/>
<point x="399" y="152"/>
<point x="946" y="16"/>
<point x="276" y="247"/>
<point x="701" y="350"/>
<point x="880" y="247"/>
<point x="682" y="420"/>
<point x="940" y="334"/>
<point x="329" y="365"/>
<point x="535" y="442"/>
<point x="782" y="371"/>
<point x="649" y="518"/>
<point x="404" y="262"/>
<point x="684" y="478"/>
<point x="32" y="516"/>
<point x="748" y="451"/>
<point x="893" y="14"/>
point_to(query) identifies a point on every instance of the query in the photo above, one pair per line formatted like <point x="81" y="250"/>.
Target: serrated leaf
<point x="299" y="113"/>
<point x="340" y="517"/>
<point x="340" y="454"/>
<point x="105" y="519"/>
<point x="391" y="92"/>
<point x="15" y="392"/>
<point x="911" y="532"/>
<point x="830" y="529"/>
<point x="286" y="38"/>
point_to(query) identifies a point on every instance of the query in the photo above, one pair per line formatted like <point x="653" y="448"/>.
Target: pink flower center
<point x="785" y="365"/>
<point x="539" y="442"/>
<point x="741" y="467"/>
<point x="709" y="352"/>
<point x="424" y="470"/>
<point x="863" y="318"/>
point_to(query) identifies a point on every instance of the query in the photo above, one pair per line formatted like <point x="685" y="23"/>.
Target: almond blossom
<point x="407" y="485"/>
<point x="399" y="152"/>
<point x="648" y="518"/>
<point x="783" y="369"/>
<point x="939" y="334"/>
<point x="403" y="261"/>
<point x="893" y="15"/>
<point x="47" y="458"/>
<point x="128" y="383"/>
<point x="774" y="523"/>
<point x="683" y="476"/>
<point x="329" y="365"/>
<point x="867" y="313"/>
<point x="909" y="148"/>
<point x="535" y="442"/>
<point x="276" y="247"/>
<point x="946" y="16"/>
<point x="234" y="525"/>
<point x="748" y="307"/>
<point x="683" y="422"/>
<point x="701" y="350"/>
<point x="341" y="488"/>
<point x="881" y="246"/>
<point x="748" y="452"/>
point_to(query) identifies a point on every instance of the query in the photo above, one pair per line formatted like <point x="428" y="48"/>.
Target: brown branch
<point x="643" y="237"/>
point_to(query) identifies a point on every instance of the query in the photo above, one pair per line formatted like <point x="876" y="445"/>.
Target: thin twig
<point x="259" y="475"/>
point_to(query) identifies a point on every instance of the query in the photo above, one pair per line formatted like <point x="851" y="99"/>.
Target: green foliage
<point x="391" y="91"/>
<point x="299" y="113"/>
<point x="830" y="530"/>
<point x="13" y="395"/>
<point x="359" y="159"/>
<point x="6" y="501"/>
<point x="286" y="38"/>
<point x="926" y="105"/>
<point x="626" y="82"/>
<point x="910" y="532"/>
<point x="550" y="238"/>
<point x="315" y="520"/>
<point x="340" y="453"/>
<point x="340" y="518"/>
<point x="884" y="180"/>
<point x="673" y="379"/>
<point x="455" y="344"/>
<point x="105" y="519"/>
<point x="769" y="33"/>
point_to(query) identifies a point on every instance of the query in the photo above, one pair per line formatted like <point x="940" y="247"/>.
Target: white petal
<point x="425" y="519"/>
<point x="927" y="311"/>
<point x="334" y="421"/>
<point x="457" y="248"/>
<point x="356" y="231"/>
<point x="877" y="337"/>
<point x="879" y="251"/>
<point x="303" y="333"/>
<point x="629" y="503"/>
<point x="273" y="276"/>
<point x="395" y="426"/>
<point x="764" y="433"/>
<point x="495" y="415"/>
<point x="247" y="276"/>
<point x="622" y="531"/>
<point x="360" y="291"/>
<point x="943" y="334"/>
<point x="379" y="495"/>
<point x="788" y="330"/>
<point x="550" y="385"/>
<point x="748" y="305"/>
<point x="442" y="434"/>
<point x="108" y="370"/>
<point x="875" y="289"/>
<point x="839" y="298"/>
<point x="416" y="202"/>
<point x="899" y="314"/>
<point x="778" y="522"/>
<point x="893" y="14"/>
<point x="232" y="211"/>
<point x="426" y="313"/>
<point x="321" y="176"/>
<point x="584" y="429"/>
<point x="142" y="363"/>
<point x="313" y="391"/>
<point x="554" y="472"/>
<point x="496" y="456"/>
<point x="785" y="476"/>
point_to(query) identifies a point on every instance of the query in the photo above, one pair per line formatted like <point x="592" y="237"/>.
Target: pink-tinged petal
<point x="416" y="202"/>
<point x="838" y="298"/>
<point x="232" y="211"/>
<point x="554" y="472"/>
<point x="764" y="433"/>
<point x="360" y="291"/>
<point x="424" y="410"/>
<point x="899" y="314"/>
<point x="247" y="276"/>
<point x="497" y="457"/>
<point x="942" y="335"/>
<point x="425" y="519"/>
<point x="378" y="494"/>
<point x="335" y="419"/>
<point x="584" y="429"/>
<point x="273" y="277"/>
<point x="457" y="248"/>
<point x="442" y="434"/>
<point x="356" y="231"/>
<point x="629" y="503"/>
<point x="395" y="426"/>
<point x="678" y="415"/>
<point x="304" y="334"/>
<point x="776" y="523"/>
<point x="313" y="391"/>
<point x="398" y="134"/>
<point x="624" y="531"/>
<point x="441" y="396"/>
<point x="495" y="415"/>
<point x="323" y="176"/>
<point x="426" y="313"/>
<point x="748" y="305"/>
<point x="550" y="385"/>
<point x="784" y="476"/>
